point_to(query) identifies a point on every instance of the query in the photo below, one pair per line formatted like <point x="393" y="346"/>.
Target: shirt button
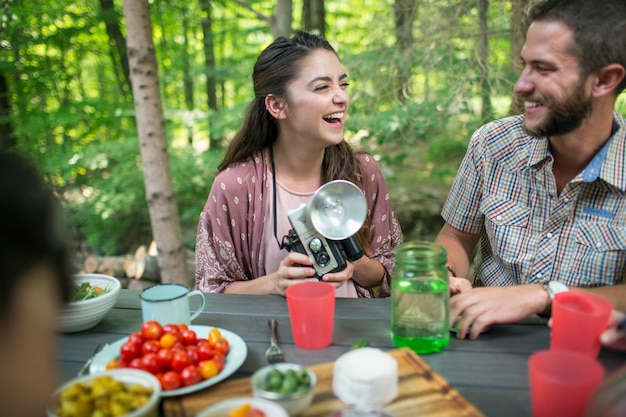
<point x="540" y="275"/>
<point x="598" y="244"/>
<point x="549" y="235"/>
<point x="499" y="218"/>
<point x="566" y="200"/>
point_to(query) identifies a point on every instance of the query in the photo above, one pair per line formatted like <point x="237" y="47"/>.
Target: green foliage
<point x="71" y="111"/>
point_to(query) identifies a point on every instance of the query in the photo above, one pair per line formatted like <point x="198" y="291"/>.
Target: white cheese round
<point x="365" y="376"/>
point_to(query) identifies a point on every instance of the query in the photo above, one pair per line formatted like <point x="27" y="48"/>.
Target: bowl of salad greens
<point x="93" y="296"/>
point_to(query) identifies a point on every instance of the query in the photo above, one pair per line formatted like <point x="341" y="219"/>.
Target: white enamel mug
<point x="169" y="303"/>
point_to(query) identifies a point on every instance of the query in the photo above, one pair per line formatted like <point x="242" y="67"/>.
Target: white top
<point x="286" y="200"/>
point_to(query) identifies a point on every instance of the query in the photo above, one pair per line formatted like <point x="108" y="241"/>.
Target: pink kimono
<point x="230" y="231"/>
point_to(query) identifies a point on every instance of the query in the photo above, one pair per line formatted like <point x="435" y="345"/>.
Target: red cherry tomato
<point x="178" y="346"/>
<point x="219" y="360"/>
<point x="190" y="375"/>
<point x="255" y="412"/>
<point x="170" y="380"/>
<point x="129" y="351"/>
<point x="222" y="346"/>
<point x="192" y="351"/>
<point x="135" y="337"/>
<point x="151" y="330"/>
<point x="135" y="363"/>
<point x="180" y="360"/>
<point x="189" y="337"/>
<point x="171" y="329"/>
<point x="205" y="352"/>
<point x="150" y="363"/>
<point x="150" y="346"/>
<point x="165" y="357"/>
<point x="182" y="326"/>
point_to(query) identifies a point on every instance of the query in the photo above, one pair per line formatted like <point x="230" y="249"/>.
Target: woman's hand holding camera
<point x="293" y="269"/>
<point x="339" y="278"/>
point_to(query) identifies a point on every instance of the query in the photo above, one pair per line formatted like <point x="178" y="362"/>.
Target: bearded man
<point x="539" y="201"/>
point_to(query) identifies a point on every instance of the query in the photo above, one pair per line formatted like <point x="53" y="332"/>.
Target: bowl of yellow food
<point x="117" y="392"/>
<point x="93" y="296"/>
<point x="288" y="384"/>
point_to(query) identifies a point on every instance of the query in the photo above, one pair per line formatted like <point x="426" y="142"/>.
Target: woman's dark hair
<point x="31" y="228"/>
<point x="275" y="68"/>
<point x="599" y="30"/>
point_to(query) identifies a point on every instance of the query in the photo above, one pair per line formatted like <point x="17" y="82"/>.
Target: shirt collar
<point x="609" y="163"/>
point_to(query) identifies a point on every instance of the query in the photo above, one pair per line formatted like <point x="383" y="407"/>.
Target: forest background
<point x="424" y="74"/>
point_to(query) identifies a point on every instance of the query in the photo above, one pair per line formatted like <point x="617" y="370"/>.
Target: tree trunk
<point x="313" y="17"/>
<point x="160" y="195"/>
<point x="112" y="23"/>
<point x="7" y="138"/>
<point x="405" y="12"/>
<point x="187" y="77"/>
<point x="518" y="34"/>
<point x="483" y="62"/>
<point x="215" y="141"/>
<point x="280" y="22"/>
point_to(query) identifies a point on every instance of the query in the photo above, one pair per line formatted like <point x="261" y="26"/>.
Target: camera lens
<point x="315" y="245"/>
<point x="322" y="258"/>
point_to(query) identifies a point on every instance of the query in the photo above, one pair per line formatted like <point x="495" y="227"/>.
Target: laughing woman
<point x="291" y="142"/>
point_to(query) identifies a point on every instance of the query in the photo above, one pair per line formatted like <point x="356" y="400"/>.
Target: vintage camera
<point x="325" y="230"/>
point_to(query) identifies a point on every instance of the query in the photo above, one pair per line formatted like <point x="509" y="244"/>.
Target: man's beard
<point x="564" y="116"/>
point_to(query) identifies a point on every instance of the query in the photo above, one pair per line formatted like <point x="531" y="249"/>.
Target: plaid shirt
<point x="506" y="192"/>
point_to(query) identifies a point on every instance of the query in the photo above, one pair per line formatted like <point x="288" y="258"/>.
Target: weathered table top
<point x="490" y="372"/>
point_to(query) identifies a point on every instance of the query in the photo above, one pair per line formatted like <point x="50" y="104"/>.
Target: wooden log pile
<point x="142" y="265"/>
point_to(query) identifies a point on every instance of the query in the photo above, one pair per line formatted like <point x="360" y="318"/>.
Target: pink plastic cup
<point x="578" y="319"/>
<point x="562" y="382"/>
<point x="312" y="313"/>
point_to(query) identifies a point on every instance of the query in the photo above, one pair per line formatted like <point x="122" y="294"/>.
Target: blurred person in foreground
<point x="291" y="143"/>
<point x="541" y="196"/>
<point x="34" y="283"/>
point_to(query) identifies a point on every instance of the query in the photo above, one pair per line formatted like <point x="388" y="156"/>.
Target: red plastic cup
<point x="578" y="319"/>
<point x="562" y="382"/>
<point x="312" y="313"/>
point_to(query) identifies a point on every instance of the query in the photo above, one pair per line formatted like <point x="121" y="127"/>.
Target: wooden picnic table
<point x="490" y="373"/>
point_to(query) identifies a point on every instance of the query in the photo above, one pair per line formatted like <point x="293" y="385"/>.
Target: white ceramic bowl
<point x="222" y="408"/>
<point x="82" y="315"/>
<point x="295" y="402"/>
<point x="128" y="376"/>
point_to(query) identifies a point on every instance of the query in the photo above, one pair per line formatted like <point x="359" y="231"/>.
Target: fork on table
<point x="84" y="370"/>
<point x="274" y="353"/>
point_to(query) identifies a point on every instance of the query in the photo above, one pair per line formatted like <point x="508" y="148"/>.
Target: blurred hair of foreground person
<point x="34" y="282"/>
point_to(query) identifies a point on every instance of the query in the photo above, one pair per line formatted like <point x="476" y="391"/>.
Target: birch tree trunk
<point x="160" y="195"/>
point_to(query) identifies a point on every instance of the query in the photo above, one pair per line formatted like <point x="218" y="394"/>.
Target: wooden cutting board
<point x="421" y="392"/>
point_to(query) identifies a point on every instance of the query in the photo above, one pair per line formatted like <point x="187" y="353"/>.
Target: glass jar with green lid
<point x="420" y="295"/>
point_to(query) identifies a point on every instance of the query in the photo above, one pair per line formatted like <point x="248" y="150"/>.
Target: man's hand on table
<point x="478" y="308"/>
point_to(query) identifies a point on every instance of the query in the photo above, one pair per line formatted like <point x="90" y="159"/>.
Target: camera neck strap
<point x="280" y="245"/>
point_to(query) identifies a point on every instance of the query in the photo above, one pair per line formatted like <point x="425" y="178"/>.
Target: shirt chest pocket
<point x="601" y="237"/>
<point x="601" y="254"/>
<point x="506" y="223"/>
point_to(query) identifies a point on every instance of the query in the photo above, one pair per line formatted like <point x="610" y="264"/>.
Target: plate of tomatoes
<point x="184" y="358"/>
